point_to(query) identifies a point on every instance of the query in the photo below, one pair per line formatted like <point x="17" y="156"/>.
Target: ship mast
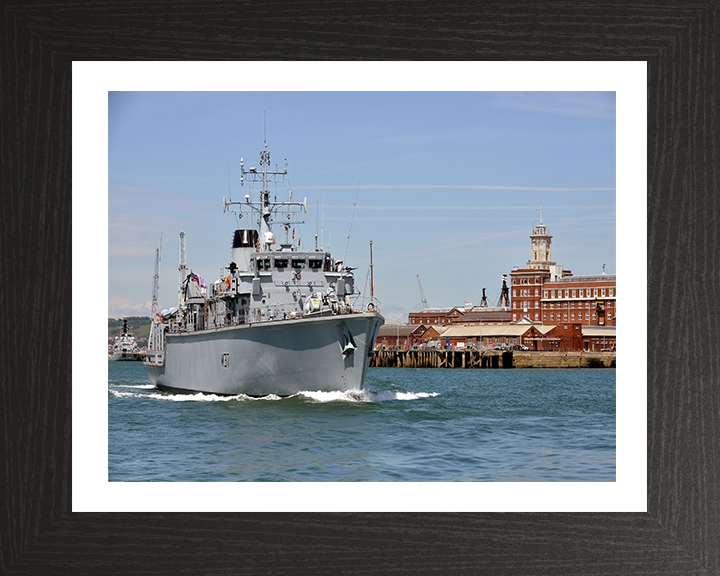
<point x="372" y="290"/>
<point x="265" y="207"/>
<point x="182" y="269"/>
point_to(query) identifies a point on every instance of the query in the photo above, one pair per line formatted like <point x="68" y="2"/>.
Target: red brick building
<point x="470" y="316"/>
<point x="543" y="292"/>
<point x="405" y="336"/>
<point x="587" y="300"/>
<point x="599" y="338"/>
<point x="436" y="316"/>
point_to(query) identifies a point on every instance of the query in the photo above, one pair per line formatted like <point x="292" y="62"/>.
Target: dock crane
<point x="504" y="300"/>
<point x="422" y="293"/>
<point x="156" y="282"/>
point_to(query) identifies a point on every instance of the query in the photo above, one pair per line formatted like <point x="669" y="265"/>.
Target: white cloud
<point x="119" y="306"/>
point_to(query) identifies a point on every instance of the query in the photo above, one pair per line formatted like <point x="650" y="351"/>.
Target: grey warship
<point x="125" y="347"/>
<point x="278" y="321"/>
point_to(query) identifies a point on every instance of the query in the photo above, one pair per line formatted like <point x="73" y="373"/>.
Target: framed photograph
<point x="61" y="517"/>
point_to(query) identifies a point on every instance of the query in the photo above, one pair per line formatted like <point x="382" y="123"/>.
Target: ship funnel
<point x="244" y="242"/>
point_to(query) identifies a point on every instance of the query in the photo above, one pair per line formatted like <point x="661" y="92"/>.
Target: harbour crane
<point x="504" y="300"/>
<point x="156" y="281"/>
<point x="422" y="293"/>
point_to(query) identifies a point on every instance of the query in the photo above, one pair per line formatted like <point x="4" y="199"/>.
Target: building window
<point x="566" y="292"/>
<point x="552" y="317"/>
<point x="537" y="304"/>
<point x="573" y="293"/>
<point x="545" y="294"/>
<point x="580" y="293"/>
<point x="595" y="292"/>
<point x="544" y="317"/>
<point x="611" y="292"/>
<point x="602" y="292"/>
<point x="572" y="316"/>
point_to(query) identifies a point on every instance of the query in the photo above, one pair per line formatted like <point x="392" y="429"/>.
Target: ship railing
<point x="155" y="354"/>
<point x="281" y="312"/>
<point x="222" y="317"/>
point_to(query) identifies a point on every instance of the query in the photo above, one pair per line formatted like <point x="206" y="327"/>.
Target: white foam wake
<point x="364" y="396"/>
<point x="198" y="397"/>
<point x="138" y="386"/>
<point x="201" y="397"/>
<point x="315" y="396"/>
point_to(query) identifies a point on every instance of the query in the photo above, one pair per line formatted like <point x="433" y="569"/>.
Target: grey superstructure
<point x="279" y="320"/>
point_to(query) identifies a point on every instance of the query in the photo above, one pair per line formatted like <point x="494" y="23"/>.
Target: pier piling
<point x="474" y="359"/>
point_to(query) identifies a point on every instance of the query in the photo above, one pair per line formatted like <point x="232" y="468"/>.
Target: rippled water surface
<point x="406" y="425"/>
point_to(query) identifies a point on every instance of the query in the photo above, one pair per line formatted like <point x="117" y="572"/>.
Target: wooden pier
<point x="490" y="359"/>
<point x="442" y="359"/>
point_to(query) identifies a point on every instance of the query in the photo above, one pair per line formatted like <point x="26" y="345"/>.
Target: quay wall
<point x="490" y="359"/>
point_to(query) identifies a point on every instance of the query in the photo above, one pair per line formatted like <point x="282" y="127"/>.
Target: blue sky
<point x="450" y="184"/>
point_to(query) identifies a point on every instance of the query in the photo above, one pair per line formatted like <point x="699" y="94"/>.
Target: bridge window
<point x="315" y="264"/>
<point x="298" y="263"/>
<point x="281" y="263"/>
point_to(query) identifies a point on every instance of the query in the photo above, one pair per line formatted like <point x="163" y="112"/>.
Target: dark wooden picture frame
<point x="680" y="533"/>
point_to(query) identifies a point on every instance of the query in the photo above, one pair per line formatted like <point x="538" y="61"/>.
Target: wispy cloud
<point x="452" y="187"/>
<point x="466" y="208"/>
<point x="584" y="104"/>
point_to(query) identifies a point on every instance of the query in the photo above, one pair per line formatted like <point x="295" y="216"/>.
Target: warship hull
<point x="126" y="356"/>
<point x="322" y="353"/>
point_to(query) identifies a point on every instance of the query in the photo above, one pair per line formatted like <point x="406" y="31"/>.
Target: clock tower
<point x="541" y="253"/>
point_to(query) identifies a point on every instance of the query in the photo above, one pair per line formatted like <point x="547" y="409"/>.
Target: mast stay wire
<point x="352" y="217"/>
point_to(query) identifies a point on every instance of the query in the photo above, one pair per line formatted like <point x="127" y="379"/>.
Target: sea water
<point x="405" y="425"/>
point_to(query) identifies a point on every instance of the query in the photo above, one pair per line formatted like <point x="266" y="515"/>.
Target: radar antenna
<point x="265" y="208"/>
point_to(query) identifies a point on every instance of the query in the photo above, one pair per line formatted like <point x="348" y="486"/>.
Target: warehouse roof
<point x="599" y="331"/>
<point x="511" y="330"/>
